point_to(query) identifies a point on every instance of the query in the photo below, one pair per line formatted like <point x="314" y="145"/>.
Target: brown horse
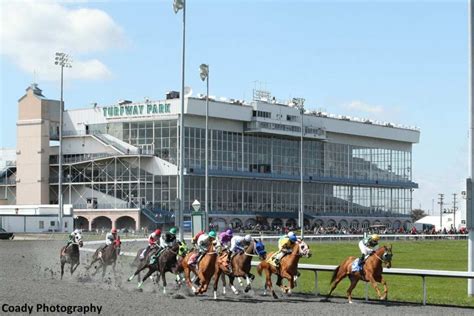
<point x="70" y="254"/>
<point x="241" y="265"/>
<point x="106" y="256"/>
<point x="372" y="272"/>
<point x="205" y="271"/>
<point x="288" y="268"/>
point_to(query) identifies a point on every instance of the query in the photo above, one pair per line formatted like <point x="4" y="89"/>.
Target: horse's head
<point x="183" y="248"/>
<point x="304" y="250"/>
<point x="260" y="249"/>
<point x="387" y="256"/>
<point x="78" y="239"/>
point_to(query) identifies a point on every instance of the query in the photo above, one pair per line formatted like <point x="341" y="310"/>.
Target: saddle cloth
<point x="356" y="266"/>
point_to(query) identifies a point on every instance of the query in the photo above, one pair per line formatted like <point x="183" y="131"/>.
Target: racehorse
<point x="288" y="268"/>
<point x="70" y="254"/>
<point x="166" y="262"/>
<point x="372" y="272"/>
<point x="205" y="271"/>
<point x="106" y="256"/>
<point x="141" y="264"/>
<point x="241" y="265"/>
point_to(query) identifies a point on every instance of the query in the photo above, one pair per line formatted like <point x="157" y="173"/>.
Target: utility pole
<point x="441" y="198"/>
<point x="454" y="211"/>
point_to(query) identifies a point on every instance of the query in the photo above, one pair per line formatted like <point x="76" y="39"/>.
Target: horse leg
<point x="340" y="276"/>
<point x="163" y="280"/>
<point x="104" y="267"/>
<point x="97" y="269"/>
<point x="187" y="276"/>
<point x="137" y="272"/>
<point x="374" y="285"/>
<point x="385" y="289"/>
<point x="75" y="267"/>
<point x="354" y="280"/>
<point x="224" y="284"/>
<point x="241" y="283"/>
<point x="268" y="278"/>
<point x="290" y="279"/>
<point x="150" y="272"/>
<point x="93" y="261"/>
<point x="231" y="282"/>
<point x="249" y="282"/>
<point x="217" y="274"/>
<point x="63" y="262"/>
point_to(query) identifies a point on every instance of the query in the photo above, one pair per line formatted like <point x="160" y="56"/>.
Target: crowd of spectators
<point x="333" y="230"/>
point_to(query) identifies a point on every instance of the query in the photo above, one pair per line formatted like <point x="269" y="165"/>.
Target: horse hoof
<point x="275" y="296"/>
<point x="350" y="302"/>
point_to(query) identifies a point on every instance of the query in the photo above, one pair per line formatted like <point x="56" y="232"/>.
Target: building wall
<point x="33" y="224"/>
<point x="36" y="119"/>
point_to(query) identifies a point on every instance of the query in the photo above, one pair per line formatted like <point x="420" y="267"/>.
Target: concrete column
<point x="137" y="221"/>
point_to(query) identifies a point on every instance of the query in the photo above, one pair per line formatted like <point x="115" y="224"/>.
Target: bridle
<point x="384" y="258"/>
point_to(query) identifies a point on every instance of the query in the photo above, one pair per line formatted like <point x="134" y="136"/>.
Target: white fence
<point x="330" y="268"/>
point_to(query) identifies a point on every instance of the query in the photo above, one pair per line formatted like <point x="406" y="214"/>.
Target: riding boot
<point x="229" y="262"/>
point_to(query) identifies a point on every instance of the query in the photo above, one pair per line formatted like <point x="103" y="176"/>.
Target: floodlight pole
<point x="181" y="5"/>
<point x="469" y="204"/>
<point x="61" y="60"/>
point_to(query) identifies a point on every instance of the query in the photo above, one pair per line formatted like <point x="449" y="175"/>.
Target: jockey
<point x="203" y="243"/>
<point x="196" y="237"/>
<point x="153" y="241"/>
<point x="110" y="238"/>
<point x="367" y="246"/>
<point x="169" y="239"/>
<point x="285" y="246"/>
<point x="225" y="238"/>
<point x="237" y="243"/>
<point x="72" y="237"/>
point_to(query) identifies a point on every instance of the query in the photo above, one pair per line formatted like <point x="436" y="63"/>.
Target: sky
<point x="402" y="61"/>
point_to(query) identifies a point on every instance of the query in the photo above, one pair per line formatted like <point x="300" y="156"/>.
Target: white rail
<point x="406" y="272"/>
<point x="330" y="268"/>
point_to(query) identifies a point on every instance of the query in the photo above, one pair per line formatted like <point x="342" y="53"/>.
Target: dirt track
<point x="29" y="274"/>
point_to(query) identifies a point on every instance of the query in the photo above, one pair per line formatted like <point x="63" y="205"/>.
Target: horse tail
<point x="334" y="274"/>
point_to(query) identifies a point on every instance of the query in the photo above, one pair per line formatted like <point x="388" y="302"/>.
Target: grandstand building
<point x="120" y="163"/>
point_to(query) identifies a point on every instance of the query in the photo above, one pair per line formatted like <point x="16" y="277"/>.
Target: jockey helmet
<point x="292" y="237"/>
<point x="212" y="234"/>
<point x="375" y="237"/>
<point x="248" y="238"/>
<point x="76" y="231"/>
<point x="173" y="231"/>
<point x="229" y="232"/>
<point x="114" y="231"/>
<point x="157" y="232"/>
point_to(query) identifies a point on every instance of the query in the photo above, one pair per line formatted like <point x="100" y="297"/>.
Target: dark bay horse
<point x="106" y="257"/>
<point x="372" y="272"/>
<point x="70" y="254"/>
<point x="205" y="270"/>
<point x="166" y="262"/>
<point x="141" y="264"/>
<point x="288" y="268"/>
<point x="241" y="265"/>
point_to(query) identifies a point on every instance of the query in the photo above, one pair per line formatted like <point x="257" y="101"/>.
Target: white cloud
<point x="380" y="113"/>
<point x="364" y="107"/>
<point x="32" y="31"/>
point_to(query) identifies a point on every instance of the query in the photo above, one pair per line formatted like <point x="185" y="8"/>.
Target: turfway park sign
<point x="135" y="110"/>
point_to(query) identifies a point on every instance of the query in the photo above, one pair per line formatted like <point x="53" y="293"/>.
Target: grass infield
<point x="421" y="254"/>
